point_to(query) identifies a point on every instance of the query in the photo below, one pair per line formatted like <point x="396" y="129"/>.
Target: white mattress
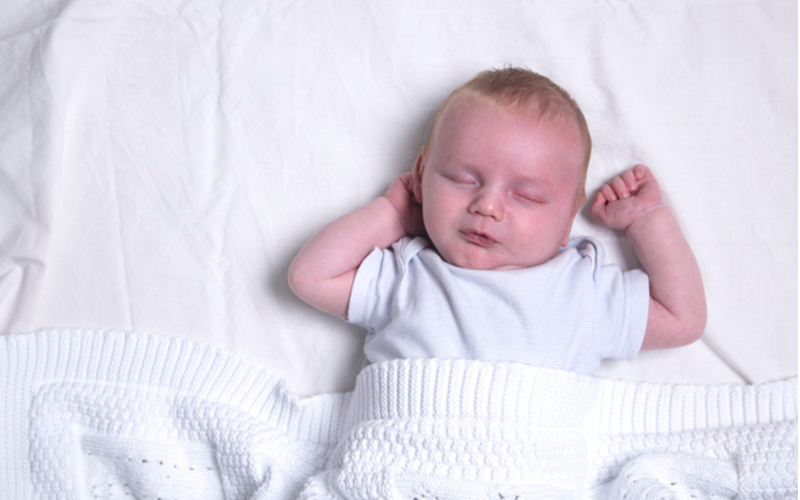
<point x="162" y="161"/>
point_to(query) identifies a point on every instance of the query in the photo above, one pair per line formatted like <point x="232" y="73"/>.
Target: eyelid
<point x="530" y="197"/>
<point x="460" y="178"/>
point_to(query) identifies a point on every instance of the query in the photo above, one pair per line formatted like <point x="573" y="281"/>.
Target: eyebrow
<point x="527" y="180"/>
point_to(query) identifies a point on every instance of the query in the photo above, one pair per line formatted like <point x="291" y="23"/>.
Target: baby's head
<point x="502" y="175"/>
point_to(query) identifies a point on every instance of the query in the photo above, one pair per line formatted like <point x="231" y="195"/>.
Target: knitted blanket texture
<point x="100" y="414"/>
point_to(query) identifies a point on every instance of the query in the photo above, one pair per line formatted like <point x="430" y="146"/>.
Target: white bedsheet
<point x="162" y="161"/>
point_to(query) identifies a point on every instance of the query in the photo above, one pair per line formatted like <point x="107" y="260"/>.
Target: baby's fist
<point x="627" y="197"/>
<point x="401" y="195"/>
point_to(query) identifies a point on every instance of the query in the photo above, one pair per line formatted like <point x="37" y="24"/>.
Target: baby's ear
<point x="416" y="176"/>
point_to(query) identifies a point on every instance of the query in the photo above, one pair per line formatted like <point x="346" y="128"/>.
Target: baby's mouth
<point x="478" y="238"/>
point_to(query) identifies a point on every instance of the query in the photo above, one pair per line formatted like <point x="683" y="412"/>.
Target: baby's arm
<point x="632" y="201"/>
<point x="323" y="272"/>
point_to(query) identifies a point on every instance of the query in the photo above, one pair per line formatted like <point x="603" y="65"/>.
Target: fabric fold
<point x="89" y="413"/>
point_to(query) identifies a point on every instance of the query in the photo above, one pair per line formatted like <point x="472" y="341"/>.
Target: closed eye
<point x="529" y="197"/>
<point x="460" y="179"/>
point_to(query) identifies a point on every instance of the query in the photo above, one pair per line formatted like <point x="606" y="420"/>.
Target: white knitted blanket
<point x="93" y="414"/>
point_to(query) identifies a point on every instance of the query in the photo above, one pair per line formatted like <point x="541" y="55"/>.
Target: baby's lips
<point x="478" y="237"/>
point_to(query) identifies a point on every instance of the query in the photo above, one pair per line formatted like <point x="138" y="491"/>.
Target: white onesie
<point x="568" y="313"/>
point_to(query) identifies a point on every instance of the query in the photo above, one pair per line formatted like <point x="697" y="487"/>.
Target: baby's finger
<point x="608" y="193"/>
<point x="620" y="187"/>
<point x="640" y="171"/>
<point x="629" y="177"/>
<point x="597" y="206"/>
<point x="407" y="180"/>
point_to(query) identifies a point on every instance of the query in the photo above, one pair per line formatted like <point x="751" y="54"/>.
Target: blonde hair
<point x="523" y="90"/>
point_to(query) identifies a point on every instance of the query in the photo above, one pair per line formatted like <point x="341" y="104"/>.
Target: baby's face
<point x="498" y="190"/>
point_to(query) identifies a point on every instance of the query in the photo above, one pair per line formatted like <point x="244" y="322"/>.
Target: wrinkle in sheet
<point x="20" y="19"/>
<point x="220" y="166"/>
<point x="28" y="182"/>
<point x="117" y="155"/>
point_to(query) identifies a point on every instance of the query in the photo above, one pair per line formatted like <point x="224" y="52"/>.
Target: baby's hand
<point x="627" y="197"/>
<point x="401" y="195"/>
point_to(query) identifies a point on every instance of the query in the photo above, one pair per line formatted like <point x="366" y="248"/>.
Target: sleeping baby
<point x="468" y="256"/>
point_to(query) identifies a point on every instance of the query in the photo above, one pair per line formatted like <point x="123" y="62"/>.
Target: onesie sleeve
<point x="364" y="297"/>
<point x="622" y="300"/>
<point x="375" y="286"/>
<point x="625" y="297"/>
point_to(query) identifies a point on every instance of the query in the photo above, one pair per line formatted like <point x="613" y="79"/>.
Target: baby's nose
<point x="488" y="204"/>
